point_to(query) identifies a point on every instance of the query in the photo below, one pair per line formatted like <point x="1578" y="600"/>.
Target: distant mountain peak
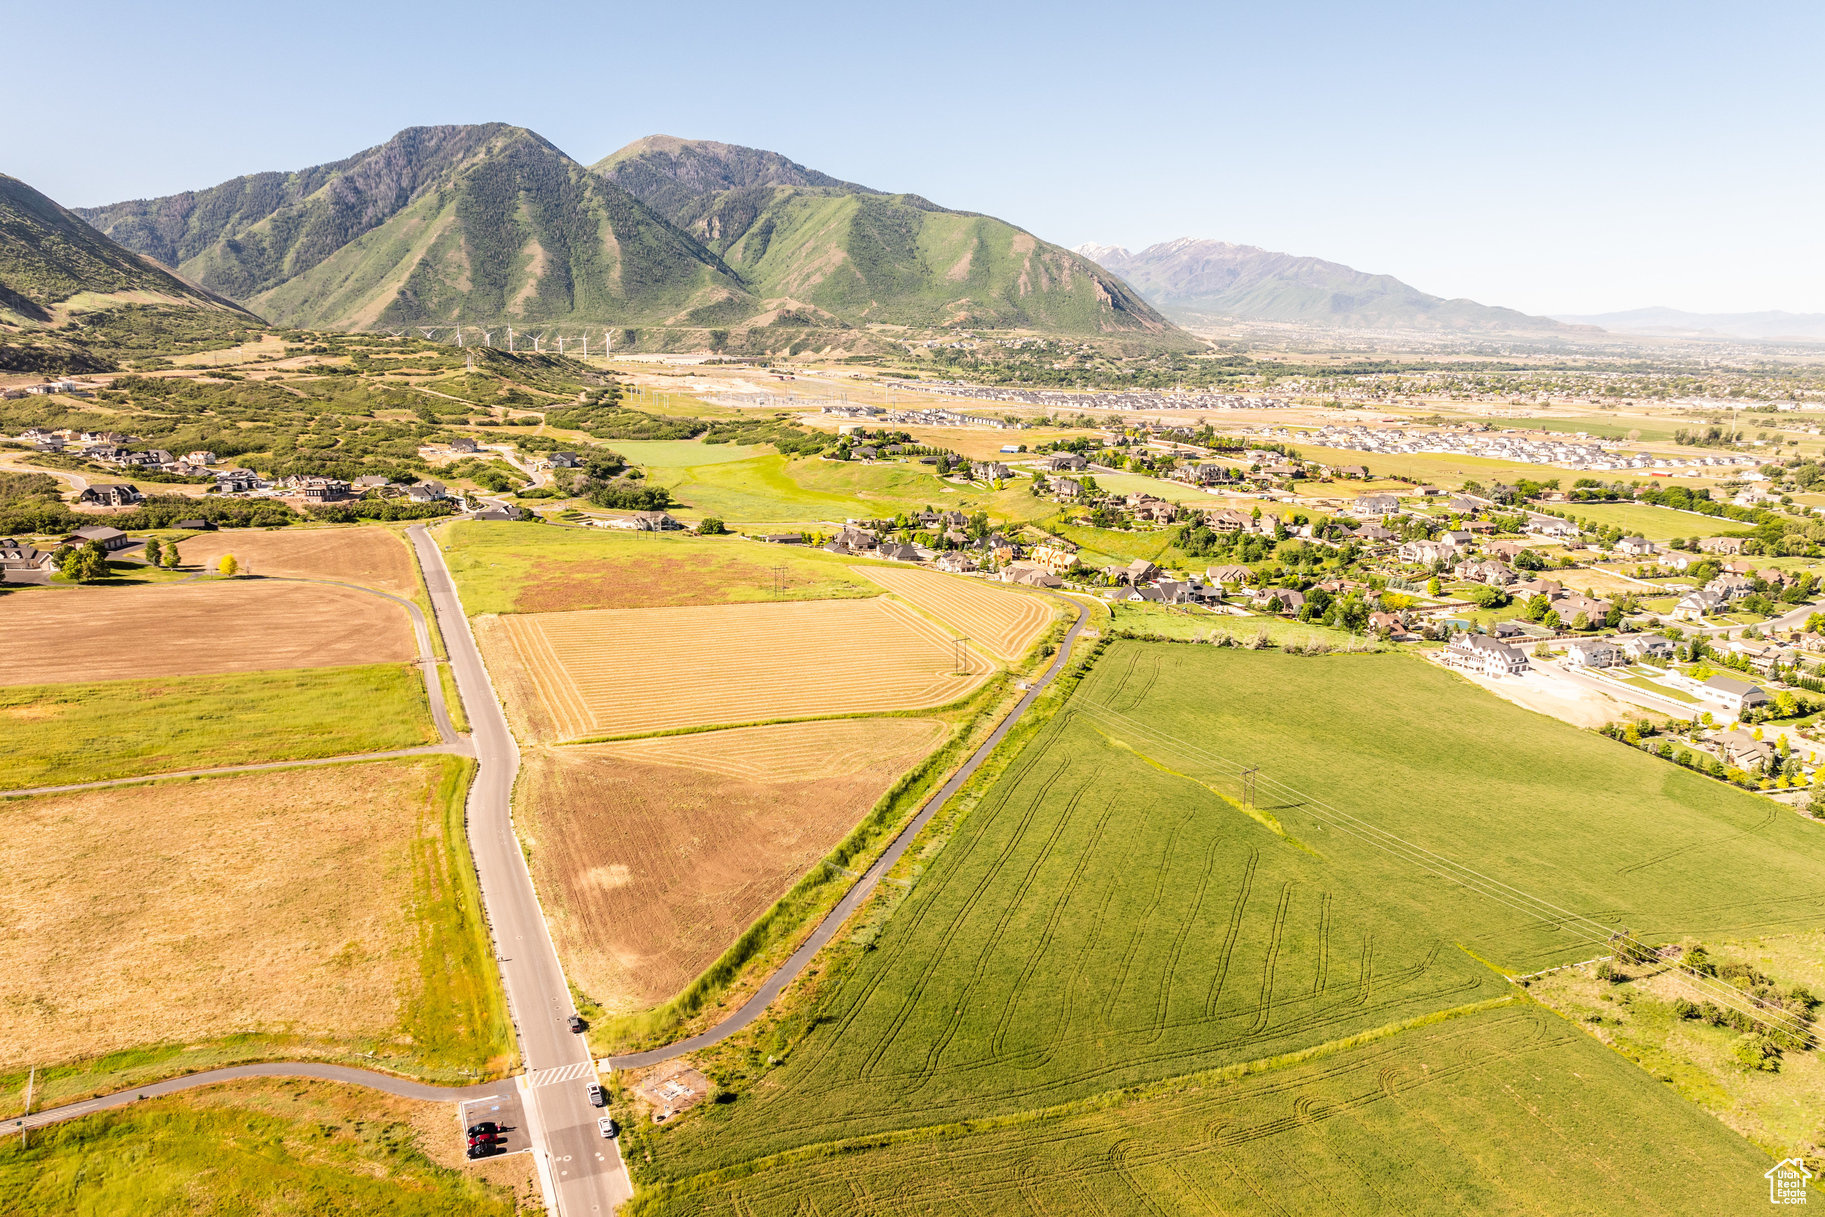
<point x="1196" y="277"/>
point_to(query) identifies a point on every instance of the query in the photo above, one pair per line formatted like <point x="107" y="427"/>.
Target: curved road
<point x="863" y="887"/>
<point x="405" y="1088"/>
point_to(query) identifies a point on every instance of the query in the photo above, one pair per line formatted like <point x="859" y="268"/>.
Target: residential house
<point x="656" y="521"/>
<point x="1527" y="589"/>
<point x="1230" y="520"/>
<point x="990" y="471"/>
<point x="1764" y="657"/>
<point x="110" y="496"/>
<point x="1056" y="555"/>
<point x="1730" y="587"/>
<point x="1492" y="573"/>
<point x="1374" y="533"/>
<point x="1067" y="488"/>
<point x="109" y="539"/>
<point x="236" y="481"/>
<point x="1230" y="574"/>
<point x="897" y="551"/>
<point x="956" y="563"/>
<point x="1742" y="750"/>
<point x="325" y="490"/>
<point x="197" y="525"/>
<point x="23" y="562"/>
<point x="1721" y="545"/>
<point x="367" y="482"/>
<point x="564" y="460"/>
<point x="1457" y="538"/>
<point x="1392" y="625"/>
<point x="202" y="456"/>
<point x="1426" y="552"/>
<point x="1029" y="574"/>
<point x="1505" y="550"/>
<point x="1696" y="606"/>
<point x="1376" y="504"/>
<point x="780" y="538"/>
<point x="1593" y="653"/>
<point x="1550" y="526"/>
<point x="1646" y="646"/>
<point x="503" y="511"/>
<point x="1280" y="599"/>
<point x="1061" y="461"/>
<point x="1570" y="606"/>
<point x="1736" y="696"/>
<point x="1484" y="655"/>
<point x="463" y="443"/>
<point x="1351" y="471"/>
<point x="1138" y="571"/>
<point x="1507" y="629"/>
<point x="1635" y="547"/>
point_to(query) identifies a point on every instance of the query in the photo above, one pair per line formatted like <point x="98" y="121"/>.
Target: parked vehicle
<point x="596" y="1097"/>
<point x="484" y="1150"/>
<point x="606" y="1125"/>
<point x="577" y="1024"/>
<point x="485" y="1126"/>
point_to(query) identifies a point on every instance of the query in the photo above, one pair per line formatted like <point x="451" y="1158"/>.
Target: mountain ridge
<point x="1198" y="278"/>
<point x="1766" y="325"/>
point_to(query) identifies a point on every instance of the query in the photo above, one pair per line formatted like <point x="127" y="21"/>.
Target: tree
<point x="82" y="564"/>
<point x="228" y="566"/>
<point x="154" y="551"/>
<point x="1433" y="586"/>
<point x="1527" y="559"/>
<point x="171" y="557"/>
<point x="1581" y="622"/>
<point x="711" y="527"/>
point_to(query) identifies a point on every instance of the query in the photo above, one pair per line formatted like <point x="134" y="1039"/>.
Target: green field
<point x="60" y="734"/>
<point x="1159" y="488"/>
<point x="257" y="1149"/>
<point x="520" y="568"/>
<point x="1654" y="523"/>
<point x="1608" y="426"/>
<point x="685" y="453"/>
<point x="782" y="489"/>
<point x="1109" y="916"/>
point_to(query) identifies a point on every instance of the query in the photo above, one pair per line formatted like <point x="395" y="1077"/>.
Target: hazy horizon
<point x="1568" y="163"/>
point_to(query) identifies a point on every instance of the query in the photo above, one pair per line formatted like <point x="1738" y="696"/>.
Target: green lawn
<point x="1159" y="488"/>
<point x="685" y="453"/>
<point x="61" y="734"/>
<point x="253" y="1150"/>
<point x="1608" y="426"/>
<point x="778" y="489"/>
<point x="509" y="568"/>
<point x="1654" y="523"/>
<point x="1109" y="916"/>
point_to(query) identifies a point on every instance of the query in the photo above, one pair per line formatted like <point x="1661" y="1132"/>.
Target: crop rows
<point x="1005" y="623"/>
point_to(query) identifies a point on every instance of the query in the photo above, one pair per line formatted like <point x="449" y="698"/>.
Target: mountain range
<point x="50" y="258"/>
<point x="1195" y="280"/>
<point x="1769" y="326"/>
<point x="685" y="242"/>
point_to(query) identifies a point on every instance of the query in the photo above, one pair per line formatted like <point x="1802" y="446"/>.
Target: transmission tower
<point x="960" y="656"/>
<point x="779" y="581"/>
<point x="1248" y="785"/>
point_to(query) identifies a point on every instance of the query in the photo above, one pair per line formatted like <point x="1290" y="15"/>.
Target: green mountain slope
<point x="814" y="248"/>
<point x="1191" y="278"/>
<point x="49" y="256"/>
<point x="481" y="225"/>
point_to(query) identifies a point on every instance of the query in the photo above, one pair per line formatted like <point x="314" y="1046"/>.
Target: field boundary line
<point x="827" y="928"/>
<point x="454" y="749"/>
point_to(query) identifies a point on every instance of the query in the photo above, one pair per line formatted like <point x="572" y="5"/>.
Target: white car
<point x="606" y="1125"/>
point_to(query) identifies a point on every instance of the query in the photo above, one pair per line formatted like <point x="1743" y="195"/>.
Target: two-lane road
<point x="586" y="1173"/>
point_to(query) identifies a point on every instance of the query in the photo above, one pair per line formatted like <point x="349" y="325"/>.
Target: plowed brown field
<point x="632" y="671"/>
<point x="115" y="633"/>
<point x="372" y="557"/>
<point x="653" y="856"/>
<point x="1004" y="623"/>
<point x="183" y="911"/>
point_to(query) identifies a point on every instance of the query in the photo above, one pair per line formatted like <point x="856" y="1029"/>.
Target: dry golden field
<point x="608" y="672"/>
<point x="1004" y="623"/>
<point x="652" y="856"/>
<point x="57" y="635"/>
<point x="372" y="557"/>
<point x="259" y="902"/>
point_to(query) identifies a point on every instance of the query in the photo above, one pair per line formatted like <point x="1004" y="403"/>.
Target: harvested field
<point x="652" y="856"/>
<point x="372" y="557"/>
<point x="292" y="902"/>
<point x="61" y="635"/>
<point x="1003" y="622"/>
<point x="607" y="672"/>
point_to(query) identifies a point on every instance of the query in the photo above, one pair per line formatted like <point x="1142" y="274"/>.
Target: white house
<point x="1693" y="606"/>
<point x="1635" y="547"/>
<point x="1483" y="654"/>
<point x="1646" y="646"/>
<point x="1735" y="696"/>
<point x="1593" y="653"/>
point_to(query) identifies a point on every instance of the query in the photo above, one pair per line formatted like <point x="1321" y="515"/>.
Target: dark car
<point x="484" y="1126"/>
<point x="484" y="1150"/>
<point x="577" y="1023"/>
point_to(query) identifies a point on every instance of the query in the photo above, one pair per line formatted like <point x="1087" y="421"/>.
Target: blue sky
<point x="1551" y="157"/>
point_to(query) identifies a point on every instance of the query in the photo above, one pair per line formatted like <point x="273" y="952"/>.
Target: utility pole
<point x="1248" y="785"/>
<point x="510" y="340"/>
<point x="960" y="655"/>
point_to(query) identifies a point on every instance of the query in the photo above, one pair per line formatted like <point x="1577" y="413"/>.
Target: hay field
<point x="327" y="906"/>
<point x="1109" y="916"/>
<point x="1005" y="623"/>
<point x="652" y="856"/>
<point x="1511" y="1111"/>
<point x="534" y="568"/>
<point x="372" y="557"/>
<point x="605" y="672"/>
<point x="60" y="635"/>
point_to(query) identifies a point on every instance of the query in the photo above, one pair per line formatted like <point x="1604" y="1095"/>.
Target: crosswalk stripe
<point x="563" y="1073"/>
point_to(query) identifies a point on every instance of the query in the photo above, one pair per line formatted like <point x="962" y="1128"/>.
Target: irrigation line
<point x="1446" y="868"/>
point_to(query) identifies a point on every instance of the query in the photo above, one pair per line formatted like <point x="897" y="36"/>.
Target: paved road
<point x="403" y="1087"/>
<point x="833" y="921"/>
<point x="586" y="1172"/>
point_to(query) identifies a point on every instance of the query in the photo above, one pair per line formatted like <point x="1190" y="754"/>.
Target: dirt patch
<point x="649" y="871"/>
<point x="604" y="672"/>
<point x="262" y="902"/>
<point x="57" y="635"/>
<point x="649" y="582"/>
<point x="372" y="557"/>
